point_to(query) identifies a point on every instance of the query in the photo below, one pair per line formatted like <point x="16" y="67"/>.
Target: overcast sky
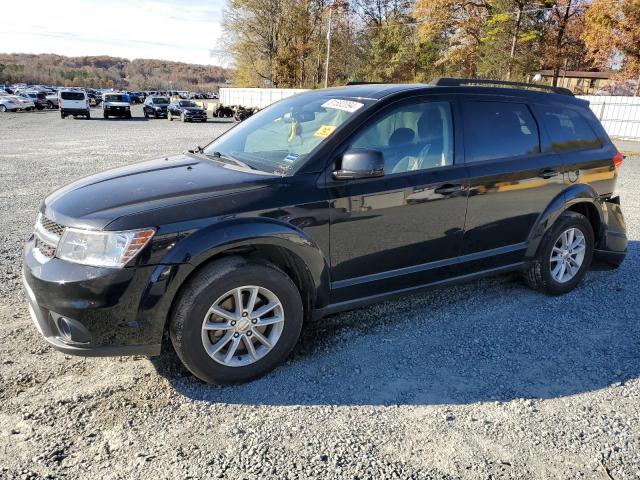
<point x="186" y="31"/>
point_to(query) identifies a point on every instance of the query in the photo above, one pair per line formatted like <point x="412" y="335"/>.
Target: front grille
<point x="48" y="234"/>
<point x="52" y="227"/>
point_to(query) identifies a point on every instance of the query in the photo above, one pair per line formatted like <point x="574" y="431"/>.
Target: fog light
<point x="64" y="328"/>
<point x="71" y="331"/>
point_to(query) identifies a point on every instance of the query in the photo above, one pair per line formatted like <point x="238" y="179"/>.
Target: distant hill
<point x="109" y="72"/>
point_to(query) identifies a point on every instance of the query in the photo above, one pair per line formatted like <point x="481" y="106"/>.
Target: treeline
<point x="284" y="42"/>
<point x="109" y="72"/>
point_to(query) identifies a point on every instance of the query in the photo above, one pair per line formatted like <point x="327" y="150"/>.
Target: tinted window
<point x="494" y="130"/>
<point x="414" y="136"/>
<point x="567" y="129"/>
<point x="72" y="95"/>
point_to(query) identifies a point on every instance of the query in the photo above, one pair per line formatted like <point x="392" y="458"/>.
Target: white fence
<point x="255" y="97"/>
<point x="620" y="116"/>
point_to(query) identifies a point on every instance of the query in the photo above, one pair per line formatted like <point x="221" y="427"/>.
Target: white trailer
<point x="256" y="97"/>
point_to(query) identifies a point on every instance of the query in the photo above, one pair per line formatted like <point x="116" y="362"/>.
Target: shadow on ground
<point x="491" y="340"/>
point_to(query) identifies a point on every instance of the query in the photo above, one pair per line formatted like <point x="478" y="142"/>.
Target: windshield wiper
<point x="228" y="159"/>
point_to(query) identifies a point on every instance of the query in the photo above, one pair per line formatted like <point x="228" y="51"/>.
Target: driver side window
<point x="415" y="136"/>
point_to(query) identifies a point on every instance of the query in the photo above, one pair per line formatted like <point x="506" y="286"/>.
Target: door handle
<point x="548" y="173"/>
<point x="448" y="189"/>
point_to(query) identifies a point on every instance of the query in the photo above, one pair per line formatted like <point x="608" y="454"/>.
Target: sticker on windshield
<point x="344" y="105"/>
<point x="292" y="157"/>
<point x="324" y="131"/>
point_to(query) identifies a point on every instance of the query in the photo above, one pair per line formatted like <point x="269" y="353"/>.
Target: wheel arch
<point x="580" y="198"/>
<point x="260" y="240"/>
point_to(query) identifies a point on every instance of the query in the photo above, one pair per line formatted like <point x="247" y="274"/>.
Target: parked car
<point x="116" y="105"/>
<point x="155" y="107"/>
<point x="74" y="102"/>
<point x="52" y="100"/>
<point x="8" y="103"/>
<point x="15" y="103"/>
<point x="319" y="203"/>
<point x="38" y="98"/>
<point x="187" y="111"/>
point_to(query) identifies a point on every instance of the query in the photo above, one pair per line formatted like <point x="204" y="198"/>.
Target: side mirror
<point x="360" y="163"/>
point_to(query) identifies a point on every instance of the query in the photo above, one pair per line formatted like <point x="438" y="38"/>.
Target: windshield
<point x="281" y="137"/>
<point x="160" y="100"/>
<point x="186" y="103"/>
<point x="116" y="98"/>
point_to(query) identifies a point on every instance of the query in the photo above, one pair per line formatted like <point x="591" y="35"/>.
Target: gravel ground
<point x="482" y="381"/>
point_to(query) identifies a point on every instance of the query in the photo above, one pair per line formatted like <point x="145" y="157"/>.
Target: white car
<point x="8" y="104"/>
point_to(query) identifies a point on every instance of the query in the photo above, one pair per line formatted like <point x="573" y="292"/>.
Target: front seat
<point x="430" y="153"/>
<point x="400" y="143"/>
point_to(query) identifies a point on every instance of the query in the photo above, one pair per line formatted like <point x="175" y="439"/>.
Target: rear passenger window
<point x="567" y="129"/>
<point x="494" y="130"/>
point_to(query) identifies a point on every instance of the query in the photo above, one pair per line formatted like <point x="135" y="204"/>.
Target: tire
<point x="50" y="105"/>
<point x="88" y="116"/>
<point x="63" y="115"/>
<point x="3" y="108"/>
<point x="146" y="115"/>
<point x="205" y="289"/>
<point x="539" y="275"/>
<point x="104" y="115"/>
<point x="170" y="117"/>
<point x="183" y="119"/>
<point x="128" y="115"/>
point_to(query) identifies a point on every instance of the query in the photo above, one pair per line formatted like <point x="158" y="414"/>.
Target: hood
<point x="95" y="201"/>
<point x="192" y="109"/>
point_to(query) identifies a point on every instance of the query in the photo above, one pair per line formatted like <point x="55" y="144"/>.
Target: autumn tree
<point x="612" y="36"/>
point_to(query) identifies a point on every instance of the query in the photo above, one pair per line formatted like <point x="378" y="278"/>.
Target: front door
<point x="403" y="229"/>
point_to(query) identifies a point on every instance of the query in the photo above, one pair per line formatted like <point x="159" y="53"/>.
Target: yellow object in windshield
<point x="324" y="131"/>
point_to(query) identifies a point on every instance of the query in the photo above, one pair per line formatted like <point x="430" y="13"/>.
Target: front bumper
<point x="117" y="111"/>
<point x="90" y="311"/>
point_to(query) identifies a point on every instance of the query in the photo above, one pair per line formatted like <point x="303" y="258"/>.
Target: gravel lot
<point x="483" y="381"/>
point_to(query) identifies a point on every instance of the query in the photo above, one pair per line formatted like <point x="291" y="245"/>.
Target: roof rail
<point x="456" y="82"/>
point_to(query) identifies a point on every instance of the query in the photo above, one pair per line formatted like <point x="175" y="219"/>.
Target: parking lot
<point x="478" y="381"/>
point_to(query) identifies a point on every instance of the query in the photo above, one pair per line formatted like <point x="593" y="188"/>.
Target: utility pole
<point x="326" y="66"/>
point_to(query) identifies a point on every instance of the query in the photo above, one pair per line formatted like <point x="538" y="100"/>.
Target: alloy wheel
<point x="567" y="255"/>
<point x="242" y="326"/>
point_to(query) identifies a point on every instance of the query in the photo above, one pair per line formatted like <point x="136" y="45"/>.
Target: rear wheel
<point x="564" y="255"/>
<point x="3" y="108"/>
<point x="236" y="321"/>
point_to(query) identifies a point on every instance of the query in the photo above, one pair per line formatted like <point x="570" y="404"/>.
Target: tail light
<point x="617" y="160"/>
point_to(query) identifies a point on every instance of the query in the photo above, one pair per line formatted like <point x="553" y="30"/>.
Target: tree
<point x="612" y="36"/>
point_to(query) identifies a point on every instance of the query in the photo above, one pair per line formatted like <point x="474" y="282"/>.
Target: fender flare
<point x="199" y="247"/>
<point x="573" y="195"/>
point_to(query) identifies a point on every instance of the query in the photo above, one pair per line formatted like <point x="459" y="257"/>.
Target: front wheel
<point x="235" y="321"/>
<point x="105" y="115"/>
<point x="564" y="255"/>
<point x="3" y="108"/>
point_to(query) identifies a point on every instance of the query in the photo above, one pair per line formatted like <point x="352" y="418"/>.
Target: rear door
<point x="73" y="100"/>
<point x="511" y="180"/>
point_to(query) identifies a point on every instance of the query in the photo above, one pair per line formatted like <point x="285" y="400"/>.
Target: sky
<point x="186" y="31"/>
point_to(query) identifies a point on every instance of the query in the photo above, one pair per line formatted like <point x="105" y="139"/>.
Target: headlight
<point x="102" y="249"/>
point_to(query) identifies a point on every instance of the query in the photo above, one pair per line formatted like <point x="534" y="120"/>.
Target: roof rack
<point x="457" y="82"/>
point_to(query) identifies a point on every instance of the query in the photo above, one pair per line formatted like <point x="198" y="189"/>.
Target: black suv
<point x="187" y="111"/>
<point x="155" y="107"/>
<point x="323" y="202"/>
